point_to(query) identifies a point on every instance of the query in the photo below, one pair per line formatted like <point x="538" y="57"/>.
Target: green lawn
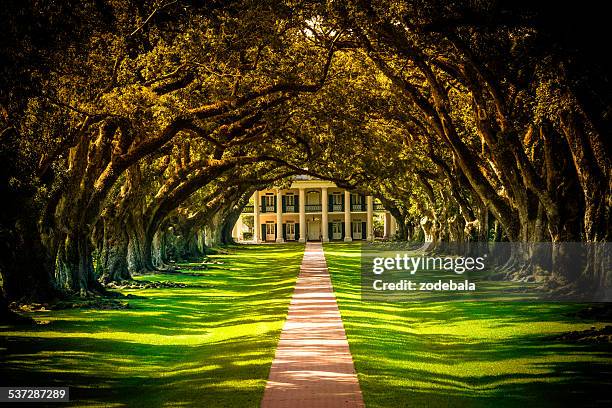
<point x="209" y="344"/>
<point x="467" y="354"/>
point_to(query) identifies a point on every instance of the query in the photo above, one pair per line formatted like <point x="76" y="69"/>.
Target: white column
<point x="393" y="225"/>
<point x="256" y="226"/>
<point x="302" y="200"/>
<point x="324" y="227"/>
<point x="348" y="228"/>
<point x="279" y="217"/>
<point x="369" y="221"/>
<point x="237" y="230"/>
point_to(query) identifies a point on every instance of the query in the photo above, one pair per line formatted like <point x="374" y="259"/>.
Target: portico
<point x="310" y="210"/>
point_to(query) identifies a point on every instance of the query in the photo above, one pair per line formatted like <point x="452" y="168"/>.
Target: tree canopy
<point x="123" y="121"/>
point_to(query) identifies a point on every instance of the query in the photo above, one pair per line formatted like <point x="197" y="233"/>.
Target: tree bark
<point x="75" y="265"/>
<point x="114" y="253"/>
<point x="592" y="180"/>
<point x="138" y="257"/>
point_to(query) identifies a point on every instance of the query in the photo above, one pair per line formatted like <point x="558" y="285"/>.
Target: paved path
<point x="313" y="366"/>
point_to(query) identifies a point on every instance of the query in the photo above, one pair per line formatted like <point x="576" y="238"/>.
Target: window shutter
<point x="275" y="203"/>
<point x="263" y="232"/>
<point x="352" y="200"/>
<point x="296" y="203"/>
<point x="297" y="230"/>
<point x="284" y="207"/>
<point x="330" y="203"/>
<point x="330" y="230"/>
<point x="343" y="229"/>
<point x="285" y="231"/>
<point x="363" y="202"/>
<point x="263" y="203"/>
<point x="275" y="230"/>
<point x="363" y="230"/>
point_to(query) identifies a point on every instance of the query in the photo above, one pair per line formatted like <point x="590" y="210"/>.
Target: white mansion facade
<point x="311" y="210"/>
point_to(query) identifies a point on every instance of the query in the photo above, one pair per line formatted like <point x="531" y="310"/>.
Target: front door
<point x="357" y="230"/>
<point x="290" y="230"/>
<point x="314" y="231"/>
<point x="270" y="233"/>
<point x="336" y="230"/>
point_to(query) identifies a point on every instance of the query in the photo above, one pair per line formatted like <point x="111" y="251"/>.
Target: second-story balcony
<point x="312" y="208"/>
<point x="332" y="207"/>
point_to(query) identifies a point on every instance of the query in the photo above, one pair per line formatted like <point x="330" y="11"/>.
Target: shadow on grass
<point x="210" y="345"/>
<point x="472" y="354"/>
<point x="112" y="372"/>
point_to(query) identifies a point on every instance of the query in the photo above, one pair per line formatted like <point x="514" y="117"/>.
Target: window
<point x="313" y="198"/>
<point x="357" y="203"/>
<point x="337" y="202"/>
<point x="289" y="200"/>
<point x="290" y="203"/>
<point x="268" y="203"/>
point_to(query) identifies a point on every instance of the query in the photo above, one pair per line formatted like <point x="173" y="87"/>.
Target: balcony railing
<point x="358" y="207"/>
<point x="311" y="208"/>
<point x="337" y="208"/>
<point x="267" y="208"/>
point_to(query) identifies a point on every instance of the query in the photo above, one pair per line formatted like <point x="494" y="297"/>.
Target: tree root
<point x="146" y="285"/>
<point x="577" y="290"/>
<point x="593" y="335"/>
<point x="74" y="302"/>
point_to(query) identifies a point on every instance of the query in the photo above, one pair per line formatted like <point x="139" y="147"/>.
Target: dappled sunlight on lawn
<point x="458" y="353"/>
<point x="213" y="340"/>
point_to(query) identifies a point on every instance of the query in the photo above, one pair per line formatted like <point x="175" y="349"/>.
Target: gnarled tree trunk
<point x="113" y="255"/>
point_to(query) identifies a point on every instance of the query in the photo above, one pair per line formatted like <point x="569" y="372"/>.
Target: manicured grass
<point x="467" y="354"/>
<point x="210" y="344"/>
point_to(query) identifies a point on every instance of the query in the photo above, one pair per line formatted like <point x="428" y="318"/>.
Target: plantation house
<point x="312" y="210"/>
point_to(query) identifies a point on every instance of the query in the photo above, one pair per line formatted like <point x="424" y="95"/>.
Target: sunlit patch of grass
<point x="435" y="353"/>
<point x="209" y="344"/>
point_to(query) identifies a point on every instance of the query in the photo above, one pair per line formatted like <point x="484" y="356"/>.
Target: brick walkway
<point x="313" y="366"/>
